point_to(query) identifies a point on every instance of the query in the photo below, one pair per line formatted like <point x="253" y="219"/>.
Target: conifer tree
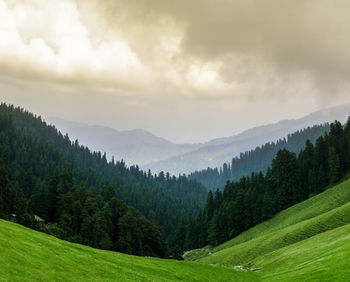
<point x="334" y="165"/>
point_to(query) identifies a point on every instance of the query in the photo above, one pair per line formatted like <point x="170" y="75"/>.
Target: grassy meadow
<point x="308" y="241"/>
<point x="27" y="255"/>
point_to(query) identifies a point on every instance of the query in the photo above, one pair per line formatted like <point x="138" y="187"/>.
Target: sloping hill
<point x="135" y="147"/>
<point x="221" y="150"/>
<point x="258" y="159"/>
<point x="306" y="240"/>
<point x="158" y="154"/>
<point x="33" y="152"/>
<point x="324" y="257"/>
<point x="333" y="198"/>
<point x="27" y="255"/>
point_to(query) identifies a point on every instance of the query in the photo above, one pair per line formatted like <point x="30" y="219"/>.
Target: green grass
<point x="324" y="257"/>
<point x="27" y="255"/>
<point x="304" y="242"/>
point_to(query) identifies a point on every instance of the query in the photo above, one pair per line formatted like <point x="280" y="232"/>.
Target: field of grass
<point x="27" y="255"/>
<point x="324" y="257"/>
<point x="304" y="242"/>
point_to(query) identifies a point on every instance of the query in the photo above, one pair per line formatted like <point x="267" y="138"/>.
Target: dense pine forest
<point x="72" y="189"/>
<point x="289" y="180"/>
<point x="257" y="160"/>
<point x="83" y="216"/>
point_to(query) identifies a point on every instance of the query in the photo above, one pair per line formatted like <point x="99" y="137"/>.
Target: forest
<point x="258" y="159"/>
<point x="83" y="216"/>
<point x="290" y="179"/>
<point x="38" y="160"/>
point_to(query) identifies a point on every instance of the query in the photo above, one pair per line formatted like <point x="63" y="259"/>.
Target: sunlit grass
<point x="27" y="255"/>
<point x="304" y="241"/>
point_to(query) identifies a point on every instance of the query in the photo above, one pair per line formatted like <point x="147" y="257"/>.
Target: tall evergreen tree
<point x="334" y="165"/>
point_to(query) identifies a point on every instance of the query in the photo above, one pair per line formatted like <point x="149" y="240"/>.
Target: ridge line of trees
<point x="84" y="216"/>
<point x="34" y="152"/>
<point x="289" y="180"/>
<point x="258" y="159"/>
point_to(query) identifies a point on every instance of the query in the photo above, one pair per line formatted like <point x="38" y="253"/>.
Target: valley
<point x="163" y="140"/>
<point x="267" y="226"/>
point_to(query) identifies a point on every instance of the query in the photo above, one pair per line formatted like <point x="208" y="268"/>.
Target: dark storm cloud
<point x="311" y="36"/>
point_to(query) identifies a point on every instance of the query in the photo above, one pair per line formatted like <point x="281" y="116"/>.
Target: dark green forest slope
<point x="290" y="179"/>
<point x="257" y="160"/>
<point x="43" y="164"/>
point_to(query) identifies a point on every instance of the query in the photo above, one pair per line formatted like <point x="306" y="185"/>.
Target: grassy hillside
<point x="27" y="255"/>
<point x="330" y="199"/>
<point x="324" y="257"/>
<point x="307" y="241"/>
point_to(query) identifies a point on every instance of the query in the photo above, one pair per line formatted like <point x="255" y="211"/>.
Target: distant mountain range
<point x="158" y="154"/>
<point x="218" y="151"/>
<point x="136" y="146"/>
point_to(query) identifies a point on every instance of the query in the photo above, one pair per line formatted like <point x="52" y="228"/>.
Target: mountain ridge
<point x="142" y="148"/>
<point x="135" y="147"/>
<point x="221" y="150"/>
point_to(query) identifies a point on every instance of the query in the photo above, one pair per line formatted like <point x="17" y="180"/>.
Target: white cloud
<point x="50" y="40"/>
<point x="48" y="37"/>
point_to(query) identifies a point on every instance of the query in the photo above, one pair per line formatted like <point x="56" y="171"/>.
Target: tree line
<point x="258" y="159"/>
<point x="289" y="180"/>
<point x="83" y="216"/>
<point x="33" y="153"/>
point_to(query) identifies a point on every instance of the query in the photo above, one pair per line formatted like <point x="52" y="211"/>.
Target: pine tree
<point x="209" y="206"/>
<point x="334" y="165"/>
<point x="267" y="207"/>
<point x="285" y="171"/>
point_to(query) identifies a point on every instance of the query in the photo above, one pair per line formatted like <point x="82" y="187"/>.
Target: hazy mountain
<point x="215" y="152"/>
<point x="134" y="146"/>
<point x="158" y="154"/>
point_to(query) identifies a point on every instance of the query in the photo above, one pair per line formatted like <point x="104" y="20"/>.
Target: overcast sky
<point x="187" y="70"/>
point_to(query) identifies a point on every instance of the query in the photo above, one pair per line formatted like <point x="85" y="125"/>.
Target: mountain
<point x="309" y="241"/>
<point x="135" y="147"/>
<point x="218" y="151"/>
<point x="291" y="223"/>
<point x="289" y="180"/>
<point x="49" y="170"/>
<point x="158" y="154"/>
<point x="258" y="159"/>
<point x="96" y="133"/>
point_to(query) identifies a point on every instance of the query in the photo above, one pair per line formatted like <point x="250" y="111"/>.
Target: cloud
<point x="45" y="40"/>
<point x="288" y="36"/>
<point x="69" y="42"/>
<point x="198" y="48"/>
<point x="217" y="60"/>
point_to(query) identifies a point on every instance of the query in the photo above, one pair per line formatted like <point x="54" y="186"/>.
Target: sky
<point x="186" y="70"/>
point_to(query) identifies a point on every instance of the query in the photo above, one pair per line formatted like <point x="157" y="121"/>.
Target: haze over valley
<point x="139" y="147"/>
